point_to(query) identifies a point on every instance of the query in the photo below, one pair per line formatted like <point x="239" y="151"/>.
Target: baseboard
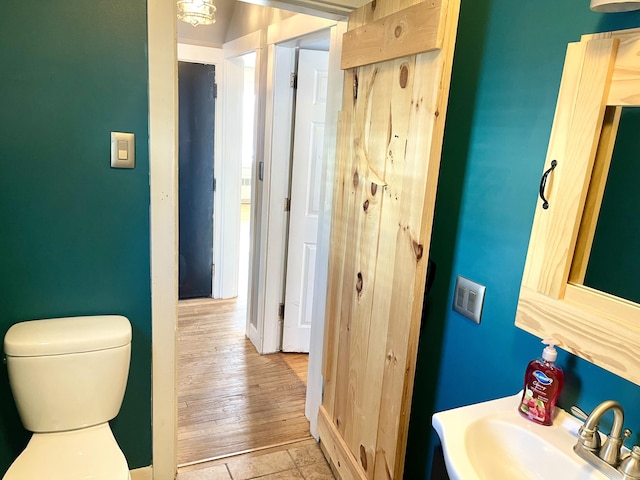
<point x="144" y="473"/>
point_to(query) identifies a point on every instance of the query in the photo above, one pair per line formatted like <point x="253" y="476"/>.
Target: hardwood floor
<point x="230" y="398"/>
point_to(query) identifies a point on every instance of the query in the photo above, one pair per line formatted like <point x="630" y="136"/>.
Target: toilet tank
<point x="68" y="373"/>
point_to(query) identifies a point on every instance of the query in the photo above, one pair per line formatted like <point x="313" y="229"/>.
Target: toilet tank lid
<point x="57" y="336"/>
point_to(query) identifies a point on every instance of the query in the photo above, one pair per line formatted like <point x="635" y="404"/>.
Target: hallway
<point x="230" y="398"/>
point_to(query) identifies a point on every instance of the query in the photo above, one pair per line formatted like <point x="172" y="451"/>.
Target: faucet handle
<point x="589" y="438"/>
<point x="578" y="412"/>
<point x="630" y="466"/>
<point x="610" y="451"/>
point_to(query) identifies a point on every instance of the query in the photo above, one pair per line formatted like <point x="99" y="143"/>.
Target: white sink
<point x="491" y="441"/>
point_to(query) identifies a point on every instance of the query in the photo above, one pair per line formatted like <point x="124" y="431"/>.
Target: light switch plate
<point x="123" y="150"/>
<point x="468" y="298"/>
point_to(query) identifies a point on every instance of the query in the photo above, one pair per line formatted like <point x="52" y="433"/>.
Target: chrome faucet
<point x="608" y="457"/>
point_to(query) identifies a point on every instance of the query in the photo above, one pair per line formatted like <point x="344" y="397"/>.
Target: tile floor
<point x="299" y="461"/>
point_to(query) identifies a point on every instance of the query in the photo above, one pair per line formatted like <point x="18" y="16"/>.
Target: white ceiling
<point x="215" y="35"/>
<point x="209" y="35"/>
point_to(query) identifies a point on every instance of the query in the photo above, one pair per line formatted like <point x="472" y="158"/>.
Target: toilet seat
<point x="90" y="453"/>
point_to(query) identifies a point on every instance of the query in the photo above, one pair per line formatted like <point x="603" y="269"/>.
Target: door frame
<point x="334" y="104"/>
<point x="163" y="184"/>
<point x="163" y="173"/>
<point x="233" y="51"/>
<point x="233" y="94"/>
<point x="270" y="276"/>
<point x="266" y="326"/>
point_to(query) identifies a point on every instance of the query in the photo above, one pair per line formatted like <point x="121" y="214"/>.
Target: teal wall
<point x="74" y="233"/>
<point x="508" y="63"/>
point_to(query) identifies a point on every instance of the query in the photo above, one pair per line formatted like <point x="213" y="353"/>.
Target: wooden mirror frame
<point x="601" y="75"/>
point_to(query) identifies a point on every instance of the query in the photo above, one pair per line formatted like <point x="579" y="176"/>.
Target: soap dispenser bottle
<point x="543" y="381"/>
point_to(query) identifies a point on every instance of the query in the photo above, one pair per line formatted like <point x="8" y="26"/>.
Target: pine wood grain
<point x="574" y="140"/>
<point x="410" y="31"/>
<point x="623" y="89"/>
<point x="603" y="335"/>
<point x="230" y="398"/>
<point x="599" y="327"/>
<point x="595" y="195"/>
<point x="387" y="163"/>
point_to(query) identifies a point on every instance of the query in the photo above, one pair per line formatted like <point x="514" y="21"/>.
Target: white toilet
<point x="68" y="377"/>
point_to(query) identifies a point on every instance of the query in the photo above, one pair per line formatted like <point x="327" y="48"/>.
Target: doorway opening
<point x="231" y="399"/>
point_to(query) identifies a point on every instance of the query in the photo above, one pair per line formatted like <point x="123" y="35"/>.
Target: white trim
<point x="242" y="45"/>
<point x="230" y="173"/>
<point x="257" y="199"/>
<point x="200" y="54"/>
<point x="144" y="473"/>
<point x="277" y="143"/>
<point x="277" y="138"/>
<point x="296" y="26"/>
<point x="163" y="172"/>
<point x="334" y="105"/>
<point x="232" y="141"/>
<point x="266" y="333"/>
<point x="328" y="9"/>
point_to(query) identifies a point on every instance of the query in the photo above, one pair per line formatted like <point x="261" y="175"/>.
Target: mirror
<point x="580" y="283"/>
<point x="614" y="262"/>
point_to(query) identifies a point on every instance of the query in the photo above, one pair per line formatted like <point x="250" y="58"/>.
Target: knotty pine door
<point x="397" y="58"/>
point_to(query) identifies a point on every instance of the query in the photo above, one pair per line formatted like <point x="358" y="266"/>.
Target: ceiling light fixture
<point x="197" y="12"/>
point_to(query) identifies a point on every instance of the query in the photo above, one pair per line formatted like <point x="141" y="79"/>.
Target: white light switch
<point x="468" y="298"/>
<point x="123" y="150"/>
<point x="123" y="146"/>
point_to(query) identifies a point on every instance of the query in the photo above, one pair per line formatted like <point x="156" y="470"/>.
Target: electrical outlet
<point x="468" y="298"/>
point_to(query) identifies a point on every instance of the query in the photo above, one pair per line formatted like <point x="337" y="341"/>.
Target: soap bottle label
<point x="533" y="408"/>
<point x="542" y="379"/>
<point x="534" y="401"/>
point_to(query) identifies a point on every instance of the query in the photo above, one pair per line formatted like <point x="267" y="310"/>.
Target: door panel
<point x="196" y="84"/>
<point x="388" y="156"/>
<point x="311" y="99"/>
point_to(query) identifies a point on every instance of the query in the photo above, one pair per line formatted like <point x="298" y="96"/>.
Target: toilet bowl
<point x="68" y="377"/>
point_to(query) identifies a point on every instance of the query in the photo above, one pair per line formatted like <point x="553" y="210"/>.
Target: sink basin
<point x="491" y="441"/>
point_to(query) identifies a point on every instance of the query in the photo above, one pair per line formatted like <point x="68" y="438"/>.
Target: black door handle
<point x="543" y="184"/>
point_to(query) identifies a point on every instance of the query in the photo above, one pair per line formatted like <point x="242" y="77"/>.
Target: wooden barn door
<point x="397" y="58"/>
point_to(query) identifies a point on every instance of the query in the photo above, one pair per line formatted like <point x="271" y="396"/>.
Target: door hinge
<point x="287" y="204"/>
<point x="281" y="311"/>
<point x="213" y="269"/>
<point x="215" y="90"/>
<point x="293" y="80"/>
<point x="214" y="184"/>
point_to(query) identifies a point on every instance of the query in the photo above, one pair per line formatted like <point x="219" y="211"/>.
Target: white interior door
<point x="311" y="99"/>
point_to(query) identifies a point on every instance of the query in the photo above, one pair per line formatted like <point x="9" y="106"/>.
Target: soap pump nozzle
<point x="549" y="353"/>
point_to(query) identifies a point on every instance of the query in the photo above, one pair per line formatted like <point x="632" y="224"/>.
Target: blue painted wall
<point x="507" y="69"/>
<point x="74" y="233"/>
